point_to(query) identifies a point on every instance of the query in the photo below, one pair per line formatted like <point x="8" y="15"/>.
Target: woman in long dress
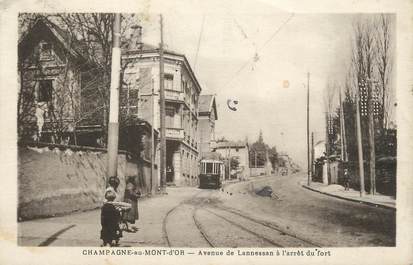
<point x="131" y="197"/>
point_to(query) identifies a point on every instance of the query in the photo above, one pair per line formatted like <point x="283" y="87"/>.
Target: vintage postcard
<point x="188" y="132"/>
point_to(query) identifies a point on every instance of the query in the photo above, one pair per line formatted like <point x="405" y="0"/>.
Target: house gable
<point x="207" y="107"/>
<point x="44" y="36"/>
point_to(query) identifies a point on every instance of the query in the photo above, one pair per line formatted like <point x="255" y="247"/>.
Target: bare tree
<point x="330" y="96"/>
<point x="384" y="59"/>
<point x="363" y="57"/>
<point x="91" y="35"/>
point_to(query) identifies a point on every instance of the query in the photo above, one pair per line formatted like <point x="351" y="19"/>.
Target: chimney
<point x="136" y="37"/>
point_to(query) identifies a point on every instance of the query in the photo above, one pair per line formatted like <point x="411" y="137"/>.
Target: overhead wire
<point x="263" y="46"/>
<point x="199" y="42"/>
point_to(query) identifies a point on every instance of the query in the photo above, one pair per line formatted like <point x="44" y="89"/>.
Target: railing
<point x="176" y="133"/>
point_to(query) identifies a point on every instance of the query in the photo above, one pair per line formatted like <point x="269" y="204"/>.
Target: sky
<point x="285" y="46"/>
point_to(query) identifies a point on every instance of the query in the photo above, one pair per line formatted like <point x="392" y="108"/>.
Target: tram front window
<point x="209" y="168"/>
<point x="217" y="169"/>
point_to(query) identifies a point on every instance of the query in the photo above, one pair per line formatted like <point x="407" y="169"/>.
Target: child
<point x="346" y="180"/>
<point x="110" y="218"/>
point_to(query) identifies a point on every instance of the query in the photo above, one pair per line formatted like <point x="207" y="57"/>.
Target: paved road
<point x="232" y="217"/>
<point x="321" y="218"/>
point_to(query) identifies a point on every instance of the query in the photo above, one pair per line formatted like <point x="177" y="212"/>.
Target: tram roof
<point x="211" y="161"/>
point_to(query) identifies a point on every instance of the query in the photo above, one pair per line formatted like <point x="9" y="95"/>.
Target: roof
<point x="207" y="105"/>
<point x="43" y="26"/>
<point x="230" y="144"/>
<point x="148" y="48"/>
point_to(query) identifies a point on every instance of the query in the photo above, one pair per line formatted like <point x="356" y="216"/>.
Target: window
<point x="187" y="89"/>
<point x="217" y="168"/>
<point x="169" y="116"/>
<point x="209" y="168"/>
<point x="131" y="81"/>
<point x="169" y="82"/>
<point x="46" y="51"/>
<point x="45" y="91"/>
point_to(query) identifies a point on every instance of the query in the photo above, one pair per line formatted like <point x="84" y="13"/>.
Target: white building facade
<point x="182" y="92"/>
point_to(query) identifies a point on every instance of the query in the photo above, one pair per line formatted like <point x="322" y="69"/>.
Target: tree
<point x="258" y="152"/>
<point x="58" y="101"/>
<point x="234" y="162"/>
<point x="260" y="138"/>
<point x="384" y="49"/>
<point x="273" y="156"/>
<point x="370" y="70"/>
<point x="91" y="33"/>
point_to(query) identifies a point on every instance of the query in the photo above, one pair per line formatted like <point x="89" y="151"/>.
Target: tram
<point x="211" y="173"/>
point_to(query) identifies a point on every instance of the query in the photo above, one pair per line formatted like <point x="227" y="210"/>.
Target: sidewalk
<point x="338" y="191"/>
<point x="83" y="228"/>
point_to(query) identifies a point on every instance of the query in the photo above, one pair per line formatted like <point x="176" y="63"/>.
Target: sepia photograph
<point x="246" y="132"/>
<point x="272" y="131"/>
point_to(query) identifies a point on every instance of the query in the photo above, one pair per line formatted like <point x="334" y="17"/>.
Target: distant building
<point x="207" y="115"/>
<point x="182" y="92"/>
<point x="235" y="150"/>
<point x="319" y="149"/>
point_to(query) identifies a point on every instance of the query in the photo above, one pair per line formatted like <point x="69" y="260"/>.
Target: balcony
<point x="174" y="95"/>
<point x="175" y="133"/>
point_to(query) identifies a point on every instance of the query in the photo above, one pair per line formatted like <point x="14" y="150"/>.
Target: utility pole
<point x="328" y="145"/>
<point x="359" y="143"/>
<point x="152" y="136"/>
<point x="312" y="154"/>
<point x="341" y="127"/>
<point x="162" y="111"/>
<point x="343" y="131"/>
<point x="370" y="113"/>
<point x="113" y="131"/>
<point x="308" y="130"/>
<point x="228" y="161"/>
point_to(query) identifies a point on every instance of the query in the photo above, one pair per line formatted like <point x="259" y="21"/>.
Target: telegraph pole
<point x="359" y="143"/>
<point x="113" y="132"/>
<point x="308" y="130"/>
<point x="162" y="111"/>
<point x="370" y="113"/>
<point x="228" y="162"/>
<point x="152" y="136"/>
<point x="312" y="153"/>
<point x="343" y="131"/>
<point x="328" y="145"/>
<point x="255" y="153"/>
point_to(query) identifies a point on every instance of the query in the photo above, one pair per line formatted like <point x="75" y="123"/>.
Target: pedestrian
<point x="346" y="180"/>
<point x="109" y="219"/>
<point x="131" y="197"/>
<point x="121" y="206"/>
<point x="113" y="184"/>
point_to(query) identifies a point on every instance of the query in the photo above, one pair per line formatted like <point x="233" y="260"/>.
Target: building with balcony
<point x="182" y="91"/>
<point x="207" y="115"/>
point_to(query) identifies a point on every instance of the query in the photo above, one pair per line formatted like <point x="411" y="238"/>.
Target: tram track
<point x="267" y="232"/>
<point x="197" y="224"/>
<point x="272" y="242"/>
<point x="201" y="229"/>
<point x="306" y="242"/>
